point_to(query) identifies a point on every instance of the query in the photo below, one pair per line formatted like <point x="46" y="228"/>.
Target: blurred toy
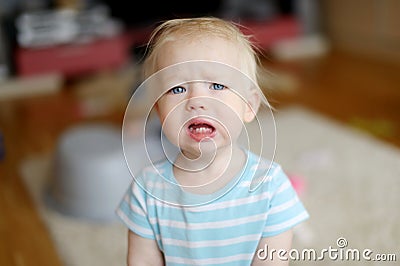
<point x="298" y="183"/>
<point x="54" y="27"/>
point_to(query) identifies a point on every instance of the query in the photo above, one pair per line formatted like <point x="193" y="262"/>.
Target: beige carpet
<point x="79" y="242"/>
<point x="352" y="191"/>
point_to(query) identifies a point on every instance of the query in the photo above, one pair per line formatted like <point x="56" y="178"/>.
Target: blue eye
<point x="217" y="87"/>
<point x="177" y="90"/>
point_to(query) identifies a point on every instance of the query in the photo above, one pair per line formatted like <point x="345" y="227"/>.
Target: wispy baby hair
<point x="195" y="28"/>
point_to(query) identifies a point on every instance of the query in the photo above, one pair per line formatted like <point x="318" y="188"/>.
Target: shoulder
<point x="264" y="173"/>
<point x="155" y="169"/>
<point x="156" y="182"/>
<point x="155" y="172"/>
<point x="148" y="177"/>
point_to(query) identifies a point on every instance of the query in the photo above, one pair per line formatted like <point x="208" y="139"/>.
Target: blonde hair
<point x="195" y="28"/>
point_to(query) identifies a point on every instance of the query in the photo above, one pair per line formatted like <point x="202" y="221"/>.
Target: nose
<point x="197" y="97"/>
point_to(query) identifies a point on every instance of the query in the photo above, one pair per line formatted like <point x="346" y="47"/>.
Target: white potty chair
<point x="90" y="175"/>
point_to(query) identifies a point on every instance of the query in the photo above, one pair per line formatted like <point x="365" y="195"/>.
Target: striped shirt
<point x="224" y="229"/>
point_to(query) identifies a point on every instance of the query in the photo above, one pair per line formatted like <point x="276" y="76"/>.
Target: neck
<point x="209" y="172"/>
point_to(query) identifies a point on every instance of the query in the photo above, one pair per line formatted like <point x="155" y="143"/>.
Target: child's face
<point x="202" y="111"/>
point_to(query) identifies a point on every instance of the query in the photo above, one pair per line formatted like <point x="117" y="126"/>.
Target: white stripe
<point x="133" y="225"/>
<point x="136" y="209"/>
<point x="284" y="206"/>
<point x="210" y="243"/>
<point x="283" y="187"/>
<point x="138" y="195"/>
<point x="264" y="179"/>
<point x="217" y="206"/>
<point x="133" y="206"/>
<point x="188" y="261"/>
<point x="286" y="224"/>
<point x="209" y="225"/>
<point x="159" y="185"/>
<point x="264" y="165"/>
<point x="247" y="184"/>
<point x="233" y="203"/>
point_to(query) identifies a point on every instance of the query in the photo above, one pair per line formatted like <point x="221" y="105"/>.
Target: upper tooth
<point x="201" y="130"/>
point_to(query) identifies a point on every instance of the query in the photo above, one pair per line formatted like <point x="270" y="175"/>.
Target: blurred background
<point x="66" y="64"/>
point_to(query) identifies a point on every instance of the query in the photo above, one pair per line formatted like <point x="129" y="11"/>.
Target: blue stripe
<point x="215" y="252"/>
<point x="213" y="234"/>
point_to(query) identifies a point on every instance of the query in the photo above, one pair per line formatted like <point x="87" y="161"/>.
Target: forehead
<point x="212" y="48"/>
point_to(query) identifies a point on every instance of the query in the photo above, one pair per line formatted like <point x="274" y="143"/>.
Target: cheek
<point x="235" y="127"/>
<point x="171" y="133"/>
<point x="170" y="118"/>
<point x="231" y="120"/>
<point x="164" y="108"/>
<point x="235" y="108"/>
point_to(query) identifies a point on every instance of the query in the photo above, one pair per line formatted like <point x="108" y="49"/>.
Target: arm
<point x="143" y="251"/>
<point x="282" y="241"/>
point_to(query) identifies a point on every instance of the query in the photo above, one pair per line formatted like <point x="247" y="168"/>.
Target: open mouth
<point x="200" y="130"/>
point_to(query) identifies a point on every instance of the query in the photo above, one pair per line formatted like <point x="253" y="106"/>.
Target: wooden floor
<point x="354" y="90"/>
<point x="357" y="91"/>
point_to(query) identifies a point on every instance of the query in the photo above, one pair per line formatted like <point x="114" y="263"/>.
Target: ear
<point x="253" y="103"/>
<point x="156" y="108"/>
